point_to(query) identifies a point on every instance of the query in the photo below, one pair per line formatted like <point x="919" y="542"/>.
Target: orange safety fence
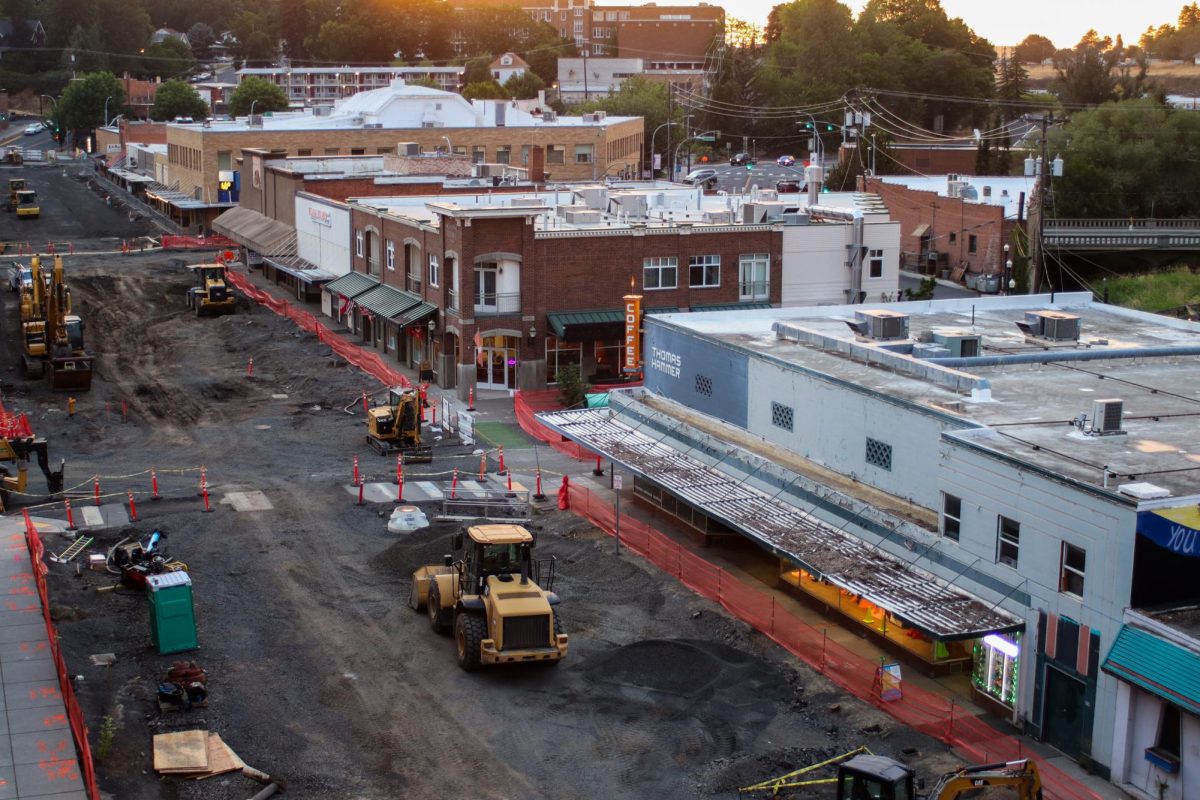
<point x="214" y="242"/>
<point x="367" y="361"/>
<point x="920" y="709"/>
<point x="14" y="425"/>
<point x="74" y="713"/>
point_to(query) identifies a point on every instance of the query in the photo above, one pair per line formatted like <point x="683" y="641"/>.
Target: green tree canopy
<point x="1096" y="70"/>
<point x="177" y="99"/>
<point x="201" y="37"/>
<point x="81" y="107"/>
<point x="637" y="97"/>
<point x="1034" y="49"/>
<point x="259" y="93"/>
<point x="1129" y="158"/>
<point x="169" y="58"/>
<point x="484" y="90"/>
<point x="524" y="86"/>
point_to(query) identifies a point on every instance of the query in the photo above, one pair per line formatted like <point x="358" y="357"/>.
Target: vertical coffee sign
<point x="633" y="335"/>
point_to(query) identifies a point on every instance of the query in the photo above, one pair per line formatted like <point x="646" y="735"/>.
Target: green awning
<point x="1160" y="667"/>
<point x="351" y="285"/>
<point x="585" y="326"/>
<point x="732" y="306"/>
<point x="387" y="302"/>
<point x="416" y="314"/>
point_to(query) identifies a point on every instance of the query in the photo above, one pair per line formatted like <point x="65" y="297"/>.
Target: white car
<point x="35" y="129"/>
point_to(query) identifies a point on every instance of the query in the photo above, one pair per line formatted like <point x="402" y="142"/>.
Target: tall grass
<point x="1156" y="291"/>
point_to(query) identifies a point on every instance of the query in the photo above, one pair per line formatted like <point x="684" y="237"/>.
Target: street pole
<point x="1035" y="282"/>
<point x="670" y="116"/>
<point x="586" y="47"/>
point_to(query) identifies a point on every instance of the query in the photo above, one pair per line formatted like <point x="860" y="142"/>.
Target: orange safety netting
<point x="929" y="713"/>
<point x="66" y="687"/>
<point x="367" y="361"/>
<point x="213" y="242"/>
<point x="14" y="425"/>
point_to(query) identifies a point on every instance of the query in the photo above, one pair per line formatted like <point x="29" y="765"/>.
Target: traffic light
<point x="808" y="126"/>
<point x="749" y="166"/>
<point x="829" y="126"/>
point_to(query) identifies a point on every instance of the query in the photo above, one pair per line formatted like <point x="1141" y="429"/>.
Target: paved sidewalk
<point x="37" y="751"/>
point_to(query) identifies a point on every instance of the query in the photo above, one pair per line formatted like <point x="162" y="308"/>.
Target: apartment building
<point x="308" y="86"/>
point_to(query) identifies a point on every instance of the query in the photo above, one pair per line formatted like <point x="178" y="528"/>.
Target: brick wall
<point x="936" y="160"/>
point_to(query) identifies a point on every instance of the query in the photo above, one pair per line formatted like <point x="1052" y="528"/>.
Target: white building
<point x="306" y="86"/>
<point x="1036" y="456"/>
<point x="507" y="66"/>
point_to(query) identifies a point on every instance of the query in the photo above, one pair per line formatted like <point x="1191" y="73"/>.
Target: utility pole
<point x="586" y="48"/>
<point x="1039" y="264"/>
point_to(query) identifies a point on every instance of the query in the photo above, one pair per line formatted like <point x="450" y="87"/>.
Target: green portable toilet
<point x="172" y="620"/>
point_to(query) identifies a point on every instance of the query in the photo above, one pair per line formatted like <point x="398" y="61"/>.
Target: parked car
<point x="741" y="160"/>
<point x="700" y="177"/>
<point x="790" y="187"/>
<point x="786" y="161"/>
<point x="35" y="129"/>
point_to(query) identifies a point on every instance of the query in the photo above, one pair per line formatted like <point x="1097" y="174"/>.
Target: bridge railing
<point x="1128" y="223"/>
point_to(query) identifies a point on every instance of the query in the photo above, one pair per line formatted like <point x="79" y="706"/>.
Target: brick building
<point x="954" y="225"/>
<point x="139" y="95"/>
<point x="307" y="86"/>
<point x="202" y="155"/>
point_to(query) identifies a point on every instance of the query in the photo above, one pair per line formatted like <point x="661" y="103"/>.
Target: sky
<point x="1007" y="22"/>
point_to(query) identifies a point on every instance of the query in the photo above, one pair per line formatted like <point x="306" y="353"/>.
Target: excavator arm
<point x="1021" y="775"/>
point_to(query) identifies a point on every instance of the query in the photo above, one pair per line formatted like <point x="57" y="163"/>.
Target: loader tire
<point x="469" y="632"/>
<point x="437" y="615"/>
<point x="414" y="595"/>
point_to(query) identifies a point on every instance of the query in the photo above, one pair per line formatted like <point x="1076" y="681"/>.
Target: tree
<point x="572" y="389"/>
<point x="637" y="97"/>
<point x="81" y="108"/>
<point x="1095" y="71"/>
<point x="177" y="99"/>
<point x="201" y="37"/>
<point x="484" y="90"/>
<point x="524" y="86"/>
<point x="1034" y="49"/>
<point x="170" y="57"/>
<point x="259" y="94"/>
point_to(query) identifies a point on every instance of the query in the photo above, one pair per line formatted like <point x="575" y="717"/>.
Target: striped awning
<point x="351" y="285"/>
<point x="417" y="313"/>
<point x="387" y="302"/>
<point x="1160" y="667"/>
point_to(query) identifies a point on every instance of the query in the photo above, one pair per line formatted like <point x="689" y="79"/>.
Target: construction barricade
<point x="214" y="242"/>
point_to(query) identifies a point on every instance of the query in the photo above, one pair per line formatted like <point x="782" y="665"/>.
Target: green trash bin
<point x="172" y="619"/>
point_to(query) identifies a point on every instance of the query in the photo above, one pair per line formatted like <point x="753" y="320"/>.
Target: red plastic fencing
<point x="918" y="708"/>
<point x="214" y="242"/>
<point x="526" y="404"/>
<point x="367" y="361"/>
<point x="74" y="713"/>
<point x="14" y="425"/>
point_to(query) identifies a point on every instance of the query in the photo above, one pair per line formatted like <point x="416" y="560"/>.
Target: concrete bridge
<point x="1122" y="234"/>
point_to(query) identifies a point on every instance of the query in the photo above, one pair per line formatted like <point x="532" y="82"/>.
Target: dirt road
<point x="319" y="671"/>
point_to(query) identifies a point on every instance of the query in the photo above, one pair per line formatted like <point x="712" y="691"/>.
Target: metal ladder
<point x="75" y="549"/>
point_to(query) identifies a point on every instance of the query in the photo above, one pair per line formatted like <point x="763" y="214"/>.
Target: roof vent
<point x="880" y="325"/>
<point x="1053" y="325"/>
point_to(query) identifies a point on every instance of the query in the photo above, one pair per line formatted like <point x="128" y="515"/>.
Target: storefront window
<point x="610" y="356"/>
<point x="559" y="354"/>
<point x="995" y="671"/>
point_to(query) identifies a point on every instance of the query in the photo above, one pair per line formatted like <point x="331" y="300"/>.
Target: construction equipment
<point x="27" y="204"/>
<point x="52" y="335"/>
<point x="14" y="185"/>
<point x="17" y="444"/>
<point x="211" y="295"/>
<point x="396" y="426"/>
<point x="13" y="157"/>
<point x="880" y="778"/>
<point x="498" y="601"/>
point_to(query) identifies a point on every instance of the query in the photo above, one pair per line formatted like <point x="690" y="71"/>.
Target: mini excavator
<point x="396" y="426"/>
<point x="870" y="777"/>
<point x="17" y="445"/>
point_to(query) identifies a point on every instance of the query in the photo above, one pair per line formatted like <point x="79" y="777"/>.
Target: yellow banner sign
<point x="633" y="334"/>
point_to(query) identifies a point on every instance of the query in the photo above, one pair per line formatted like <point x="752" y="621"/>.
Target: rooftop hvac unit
<point x="255" y="121"/>
<point x="1056" y="326"/>
<point x="549" y="116"/>
<point x="1106" y="417"/>
<point x="722" y="217"/>
<point x="322" y="111"/>
<point x="581" y="216"/>
<point x="408" y="149"/>
<point x="880" y="325"/>
<point x="373" y="125"/>
<point x="794" y="218"/>
<point x="960" y="345"/>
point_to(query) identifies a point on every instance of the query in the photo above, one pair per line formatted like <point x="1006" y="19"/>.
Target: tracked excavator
<point x="396" y="426"/>
<point x="17" y="446"/>
<point x="870" y="777"/>
<point x="52" y="335"/>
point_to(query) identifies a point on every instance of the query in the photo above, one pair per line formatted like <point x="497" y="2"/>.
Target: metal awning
<point x="386" y="301"/>
<point x="351" y="285"/>
<point x="183" y="201"/>
<point x="582" y="326"/>
<point x="1160" y="667"/>
<point x="416" y="314"/>
<point x="917" y="598"/>
<point x="256" y="231"/>
<point x="130" y="177"/>
<point x="732" y="306"/>
<point x="920" y="230"/>
<point x="299" y="268"/>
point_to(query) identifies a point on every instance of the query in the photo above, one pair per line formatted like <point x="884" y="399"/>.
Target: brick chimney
<point x="537" y="164"/>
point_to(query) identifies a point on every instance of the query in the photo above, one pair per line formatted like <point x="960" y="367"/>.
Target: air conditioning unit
<point x="255" y="121"/>
<point x="1106" y="417"/>
<point x="322" y="111"/>
<point x="599" y="115"/>
<point x="408" y="149"/>
<point x="1056" y="326"/>
<point x="881" y="325"/>
<point x="549" y="116"/>
<point x="373" y="125"/>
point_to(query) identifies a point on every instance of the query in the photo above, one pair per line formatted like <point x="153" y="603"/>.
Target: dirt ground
<point x="319" y="672"/>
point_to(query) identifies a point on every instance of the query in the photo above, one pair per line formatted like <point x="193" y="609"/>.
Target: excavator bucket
<point x="417" y="455"/>
<point x="71" y="373"/>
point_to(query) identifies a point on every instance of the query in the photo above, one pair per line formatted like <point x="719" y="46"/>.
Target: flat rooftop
<point x="1185" y="620"/>
<point x="993" y="190"/>
<point x="1034" y="390"/>
<point x="616" y="204"/>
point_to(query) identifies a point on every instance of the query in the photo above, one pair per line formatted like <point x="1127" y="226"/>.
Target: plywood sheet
<point x="221" y="759"/>
<point x="182" y="751"/>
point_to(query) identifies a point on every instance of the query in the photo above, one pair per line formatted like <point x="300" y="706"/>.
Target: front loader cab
<point x="867" y="777"/>
<point x="493" y="550"/>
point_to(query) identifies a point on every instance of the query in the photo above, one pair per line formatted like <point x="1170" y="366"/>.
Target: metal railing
<point x="508" y="303"/>
<point x="1128" y="224"/>
<point x="495" y="504"/>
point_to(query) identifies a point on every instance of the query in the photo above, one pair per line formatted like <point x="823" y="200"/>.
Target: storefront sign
<point x="633" y="334"/>
<point x="666" y="362"/>
<point x="1176" y="529"/>
<point x="320" y="216"/>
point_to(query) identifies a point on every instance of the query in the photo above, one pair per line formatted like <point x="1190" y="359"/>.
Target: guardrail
<point x="1115" y="223"/>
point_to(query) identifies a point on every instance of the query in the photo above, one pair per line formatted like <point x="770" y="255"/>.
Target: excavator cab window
<point x="872" y="783"/>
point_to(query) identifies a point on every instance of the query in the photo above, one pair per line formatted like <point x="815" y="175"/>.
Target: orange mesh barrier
<point x="918" y="708"/>
<point x="74" y="712"/>
<point x="368" y="361"/>
<point x="214" y="242"/>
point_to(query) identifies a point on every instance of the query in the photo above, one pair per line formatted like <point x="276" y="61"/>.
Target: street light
<point x="1007" y="269"/>
<point x="253" y="103"/>
<point x="697" y="137"/>
<point x="449" y="146"/>
<point x="654" y="135"/>
<point x="106" y="110"/>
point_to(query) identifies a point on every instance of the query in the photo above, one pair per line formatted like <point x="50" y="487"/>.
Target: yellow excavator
<point x="872" y="777"/>
<point x="211" y="294"/>
<point x="498" y="601"/>
<point x="52" y="335"/>
<point x="17" y="445"/>
<point x="396" y="426"/>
